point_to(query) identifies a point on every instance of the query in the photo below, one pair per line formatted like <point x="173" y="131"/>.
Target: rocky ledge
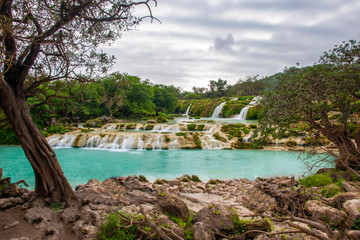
<point x="187" y="208"/>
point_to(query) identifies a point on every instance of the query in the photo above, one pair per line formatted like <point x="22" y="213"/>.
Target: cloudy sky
<point x="202" y="40"/>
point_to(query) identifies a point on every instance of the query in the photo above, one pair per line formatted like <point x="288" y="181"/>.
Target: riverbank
<point x="187" y="208"/>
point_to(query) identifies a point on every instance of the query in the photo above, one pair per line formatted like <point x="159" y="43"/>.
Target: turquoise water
<point x="80" y="165"/>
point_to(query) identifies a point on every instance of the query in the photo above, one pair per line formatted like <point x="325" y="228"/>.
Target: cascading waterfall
<point x="165" y="137"/>
<point x="244" y="111"/>
<point x="93" y="142"/>
<point x="217" y="111"/>
<point x="187" y="110"/>
<point x="62" y="141"/>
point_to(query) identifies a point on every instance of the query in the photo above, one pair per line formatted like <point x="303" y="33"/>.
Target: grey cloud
<point x="224" y="45"/>
<point x="177" y="51"/>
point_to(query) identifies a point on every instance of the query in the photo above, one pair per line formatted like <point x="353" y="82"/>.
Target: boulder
<point x="201" y="232"/>
<point x="6" y="203"/>
<point x="352" y="208"/>
<point x="11" y="190"/>
<point x="69" y="215"/>
<point x="218" y="218"/>
<point x="172" y="205"/>
<point x="324" y="213"/>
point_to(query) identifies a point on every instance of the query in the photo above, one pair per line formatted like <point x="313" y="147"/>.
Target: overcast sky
<point x="202" y="40"/>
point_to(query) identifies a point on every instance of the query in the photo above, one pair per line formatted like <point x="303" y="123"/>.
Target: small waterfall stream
<point x="187" y="110"/>
<point x="218" y="110"/>
<point x="244" y="111"/>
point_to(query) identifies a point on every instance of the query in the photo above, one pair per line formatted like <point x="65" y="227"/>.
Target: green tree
<point x="218" y="88"/>
<point x="49" y="40"/>
<point x="164" y="99"/>
<point x="310" y="94"/>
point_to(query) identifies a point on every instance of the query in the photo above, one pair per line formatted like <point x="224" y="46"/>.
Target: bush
<point x="191" y="127"/>
<point x="56" y="129"/>
<point x="317" y="180"/>
<point x="7" y="136"/>
<point x="200" y="127"/>
<point x="114" y="228"/>
<point x="149" y="127"/>
<point x="184" y="134"/>
<point x="330" y="191"/>
<point x="254" y="112"/>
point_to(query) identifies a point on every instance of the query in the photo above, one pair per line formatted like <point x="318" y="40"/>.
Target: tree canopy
<point x="47" y="40"/>
<point x="325" y="96"/>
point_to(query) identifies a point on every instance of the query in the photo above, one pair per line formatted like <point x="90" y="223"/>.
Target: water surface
<point x="80" y="164"/>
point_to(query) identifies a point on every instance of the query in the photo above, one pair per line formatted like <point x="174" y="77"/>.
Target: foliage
<point x="233" y="130"/>
<point x="115" y="228"/>
<point x="7" y="136"/>
<point x="317" y="180"/>
<point x="309" y="95"/>
<point x="191" y="127"/>
<point x="330" y="191"/>
<point x="200" y="127"/>
<point x="254" y="113"/>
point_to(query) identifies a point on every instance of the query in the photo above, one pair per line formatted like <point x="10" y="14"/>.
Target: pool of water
<point x="80" y="165"/>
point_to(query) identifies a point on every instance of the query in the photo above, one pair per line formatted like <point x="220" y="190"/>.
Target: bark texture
<point x="49" y="177"/>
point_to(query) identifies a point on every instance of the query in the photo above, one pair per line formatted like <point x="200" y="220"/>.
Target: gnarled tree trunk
<point x="349" y="152"/>
<point x="49" y="178"/>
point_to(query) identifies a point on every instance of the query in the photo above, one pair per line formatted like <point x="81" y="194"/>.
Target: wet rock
<point x="217" y="217"/>
<point x="201" y="232"/>
<point x="11" y="225"/>
<point x="352" y="208"/>
<point x="323" y="213"/>
<point x="173" y="205"/>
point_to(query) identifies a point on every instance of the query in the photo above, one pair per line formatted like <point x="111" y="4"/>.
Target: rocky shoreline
<point x="187" y="208"/>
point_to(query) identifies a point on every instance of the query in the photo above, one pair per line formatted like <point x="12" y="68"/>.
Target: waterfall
<point x="93" y="142"/>
<point x="243" y="113"/>
<point x="217" y="111"/>
<point x="187" y="110"/>
<point x="62" y="141"/>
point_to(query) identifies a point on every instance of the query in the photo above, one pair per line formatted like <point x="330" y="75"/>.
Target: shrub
<point x="317" y="180"/>
<point x="200" y="127"/>
<point x="7" y="136"/>
<point x="115" y="228"/>
<point x="149" y="127"/>
<point x="254" y="112"/>
<point x="191" y="127"/>
<point x="291" y="144"/>
<point x="184" y="134"/>
<point x="330" y="191"/>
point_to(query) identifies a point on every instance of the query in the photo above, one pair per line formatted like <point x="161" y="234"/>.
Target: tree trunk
<point x="50" y="181"/>
<point x="349" y="153"/>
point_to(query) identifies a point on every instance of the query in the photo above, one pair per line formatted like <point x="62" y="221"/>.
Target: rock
<point x="69" y="215"/>
<point x="349" y="187"/>
<point x="173" y="205"/>
<point x="217" y="217"/>
<point x="201" y="232"/>
<point x="90" y="216"/>
<point x="11" y="225"/>
<point x="22" y="238"/>
<point x="320" y="212"/>
<point x="37" y="214"/>
<point x="338" y="200"/>
<point x="11" y="190"/>
<point x="352" y="207"/>
<point x="259" y="225"/>
<point x="6" y="203"/>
